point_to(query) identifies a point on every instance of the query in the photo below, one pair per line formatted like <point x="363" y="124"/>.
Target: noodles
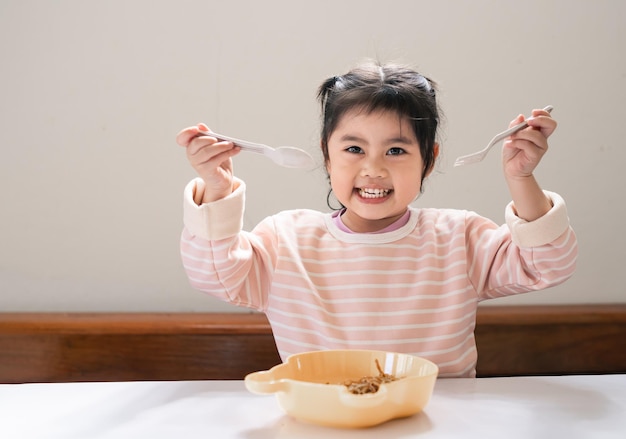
<point x="369" y="384"/>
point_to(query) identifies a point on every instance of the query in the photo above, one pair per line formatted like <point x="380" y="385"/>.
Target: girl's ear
<point x="435" y="155"/>
<point x="326" y="161"/>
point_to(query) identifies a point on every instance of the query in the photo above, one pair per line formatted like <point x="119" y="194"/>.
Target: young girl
<point x="377" y="274"/>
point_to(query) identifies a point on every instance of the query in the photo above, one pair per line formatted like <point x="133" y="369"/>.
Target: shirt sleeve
<point x="220" y="258"/>
<point x="541" y="231"/>
<point x="521" y="256"/>
<point x="217" y="220"/>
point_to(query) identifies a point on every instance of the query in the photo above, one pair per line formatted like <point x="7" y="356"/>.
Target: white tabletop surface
<point x="527" y="407"/>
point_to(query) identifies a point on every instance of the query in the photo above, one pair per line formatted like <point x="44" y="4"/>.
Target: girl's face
<point x="375" y="168"/>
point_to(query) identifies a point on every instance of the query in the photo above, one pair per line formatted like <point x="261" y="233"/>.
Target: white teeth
<point x="373" y="193"/>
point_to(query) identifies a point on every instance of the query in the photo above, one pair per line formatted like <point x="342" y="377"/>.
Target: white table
<point x="528" y="407"/>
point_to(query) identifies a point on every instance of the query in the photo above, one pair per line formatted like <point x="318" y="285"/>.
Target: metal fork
<point x="480" y="155"/>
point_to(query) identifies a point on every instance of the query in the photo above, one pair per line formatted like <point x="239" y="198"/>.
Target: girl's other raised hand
<point x="521" y="154"/>
<point x="211" y="160"/>
<point x="523" y="151"/>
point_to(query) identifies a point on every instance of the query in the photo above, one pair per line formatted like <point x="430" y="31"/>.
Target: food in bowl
<point x="369" y="384"/>
<point x="302" y="390"/>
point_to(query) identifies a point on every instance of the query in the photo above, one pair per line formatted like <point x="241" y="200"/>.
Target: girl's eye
<point x="354" y="149"/>
<point x="396" y="151"/>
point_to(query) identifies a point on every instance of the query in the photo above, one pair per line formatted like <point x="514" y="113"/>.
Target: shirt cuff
<point x="216" y="220"/>
<point x="543" y="230"/>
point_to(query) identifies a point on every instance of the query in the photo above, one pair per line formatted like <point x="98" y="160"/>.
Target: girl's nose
<point x="373" y="167"/>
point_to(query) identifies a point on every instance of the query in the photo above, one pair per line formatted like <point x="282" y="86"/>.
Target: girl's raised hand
<point x="211" y="159"/>
<point x="523" y="151"/>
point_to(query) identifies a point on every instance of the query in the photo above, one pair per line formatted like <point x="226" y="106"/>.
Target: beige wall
<point x="92" y="94"/>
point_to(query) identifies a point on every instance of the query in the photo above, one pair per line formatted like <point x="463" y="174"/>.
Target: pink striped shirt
<point x="414" y="289"/>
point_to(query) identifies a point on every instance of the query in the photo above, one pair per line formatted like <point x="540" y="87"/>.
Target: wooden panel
<point x="511" y="340"/>
<point x="133" y="347"/>
<point x="551" y="340"/>
<point x="133" y="323"/>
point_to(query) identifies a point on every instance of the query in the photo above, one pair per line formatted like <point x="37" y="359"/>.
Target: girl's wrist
<point x="519" y="179"/>
<point x="208" y="196"/>
<point x="529" y="199"/>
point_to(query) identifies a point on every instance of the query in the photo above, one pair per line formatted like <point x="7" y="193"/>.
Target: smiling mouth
<point x="373" y="193"/>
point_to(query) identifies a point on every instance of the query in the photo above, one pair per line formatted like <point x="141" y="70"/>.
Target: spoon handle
<point x="286" y="156"/>
<point x="244" y="144"/>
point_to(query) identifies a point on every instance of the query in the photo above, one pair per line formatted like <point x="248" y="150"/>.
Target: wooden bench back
<point x="61" y="347"/>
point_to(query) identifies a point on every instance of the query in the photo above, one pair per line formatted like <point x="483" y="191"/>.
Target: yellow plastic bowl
<point x="309" y="386"/>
